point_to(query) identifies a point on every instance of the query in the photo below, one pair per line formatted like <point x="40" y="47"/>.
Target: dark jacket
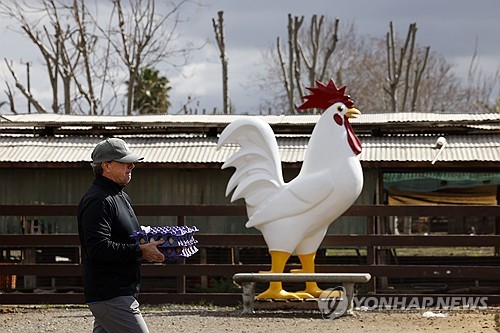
<point x="111" y="259"/>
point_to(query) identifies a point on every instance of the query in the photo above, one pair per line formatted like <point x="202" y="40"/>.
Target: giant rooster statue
<point x="294" y="216"/>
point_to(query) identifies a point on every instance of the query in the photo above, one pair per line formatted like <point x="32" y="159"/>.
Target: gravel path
<point x="208" y="319"/>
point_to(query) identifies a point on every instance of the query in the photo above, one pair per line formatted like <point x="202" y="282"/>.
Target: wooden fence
<point x="373" y="242"/>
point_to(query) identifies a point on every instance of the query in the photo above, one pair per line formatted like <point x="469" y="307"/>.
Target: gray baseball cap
<point x="114" y="149"/>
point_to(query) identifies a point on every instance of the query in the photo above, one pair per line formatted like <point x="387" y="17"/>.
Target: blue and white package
<point x="179" y="240"/>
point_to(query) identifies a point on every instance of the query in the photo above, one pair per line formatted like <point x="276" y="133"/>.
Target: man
<point x="111" y="259"/>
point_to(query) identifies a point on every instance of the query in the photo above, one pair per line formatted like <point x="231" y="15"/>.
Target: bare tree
<point x="219" y="37"/>
<point x="481" y="87"/>
<point x="405" y="60"/>
<point x="142" y="38"/>
<point x="88" y="61"/>
<point x="288" y="71"/>
<point x="312" y="53"/>
<point x="10" y="98"/>
<point x="48" y="49"/>
<point x="85" y="44"/>
<point x="380" y="75"/>
<point x="23" y="90"/>
<point x="59" y="31"/>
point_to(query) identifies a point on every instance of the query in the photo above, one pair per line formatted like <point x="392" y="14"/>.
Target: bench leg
<point x="349" y="290"/>
<point x="248" y="297"/>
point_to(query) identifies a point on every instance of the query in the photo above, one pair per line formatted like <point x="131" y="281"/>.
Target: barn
<point x="407" y="158"/>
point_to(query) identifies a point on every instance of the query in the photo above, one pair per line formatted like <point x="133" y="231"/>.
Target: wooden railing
<point x="371" y="241"/>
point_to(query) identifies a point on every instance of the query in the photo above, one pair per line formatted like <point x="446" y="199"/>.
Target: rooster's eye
<point x="340" y="108"/>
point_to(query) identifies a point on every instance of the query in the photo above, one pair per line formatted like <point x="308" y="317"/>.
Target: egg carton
<point x="179" y="240"/>
<point x="174" y="236"/>
<point x="177" y="253"/>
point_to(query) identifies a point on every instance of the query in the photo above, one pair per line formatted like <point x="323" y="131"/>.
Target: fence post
<point x="29" y="254"/>
<point x="371" y="254"/>
<point x="181" y="280"/>
<point x="497" y="232"/>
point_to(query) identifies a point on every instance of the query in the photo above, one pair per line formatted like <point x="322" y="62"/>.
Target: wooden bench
<point x="248" y="281"/>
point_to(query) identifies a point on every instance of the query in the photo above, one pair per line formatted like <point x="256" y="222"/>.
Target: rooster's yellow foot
<point x="314" y="292"/>
<point x="282" y="294"/>
<point x="311" y="287"/>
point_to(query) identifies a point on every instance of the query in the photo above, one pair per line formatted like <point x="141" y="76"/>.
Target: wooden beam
<point x="226" y="270"/>
<point x="240" y="210"/>
<point x="222" y="240"/>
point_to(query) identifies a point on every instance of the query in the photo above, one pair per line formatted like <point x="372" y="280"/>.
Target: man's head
<point x="113" y="159"/>
<point x="114" y="149"/>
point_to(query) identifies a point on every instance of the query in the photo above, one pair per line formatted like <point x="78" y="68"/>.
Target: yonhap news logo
<point x="333" y="302"/>
<point x="415" y="303"/>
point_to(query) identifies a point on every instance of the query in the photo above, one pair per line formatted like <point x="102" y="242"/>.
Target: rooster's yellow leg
<point x="275" y="290"/>
<point x="308" y="266"/>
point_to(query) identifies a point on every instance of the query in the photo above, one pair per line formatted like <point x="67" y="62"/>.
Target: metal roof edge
<point x="365" y="119"/>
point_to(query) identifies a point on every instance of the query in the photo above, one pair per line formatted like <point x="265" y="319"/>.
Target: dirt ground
<point x="208" y="319"/>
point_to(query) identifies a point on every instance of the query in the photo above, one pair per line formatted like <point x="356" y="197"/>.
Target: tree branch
<point x="24" y="91"/>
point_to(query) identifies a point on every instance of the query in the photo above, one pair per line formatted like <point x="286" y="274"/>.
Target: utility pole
<point x="28" y="83"/>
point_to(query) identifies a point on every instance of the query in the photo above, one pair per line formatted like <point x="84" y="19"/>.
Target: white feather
<point x="258" y="172"/>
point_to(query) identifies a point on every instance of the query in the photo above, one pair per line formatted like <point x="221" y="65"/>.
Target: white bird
<point x="295" y="216"/>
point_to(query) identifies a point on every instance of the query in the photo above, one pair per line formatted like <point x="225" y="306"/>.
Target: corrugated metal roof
<point x="202" y="149"/>
<point x="153" y="120"/>
<point x="423" y="148"/>
<point x="380" y="118"/>
<point x="413" y="117"/>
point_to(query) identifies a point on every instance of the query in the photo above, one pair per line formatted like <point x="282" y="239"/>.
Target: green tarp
<point x="434" y="181"/>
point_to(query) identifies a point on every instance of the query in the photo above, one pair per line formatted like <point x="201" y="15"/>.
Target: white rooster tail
<point x="258" y="172"/>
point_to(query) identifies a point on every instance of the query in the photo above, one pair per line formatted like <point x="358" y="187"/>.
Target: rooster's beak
<point x="351" y="113"/>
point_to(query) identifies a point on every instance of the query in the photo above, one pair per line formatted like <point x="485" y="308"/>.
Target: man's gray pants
<point x="117" y="315"/>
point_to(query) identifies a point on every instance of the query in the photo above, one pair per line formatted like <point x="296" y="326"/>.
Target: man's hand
<point x="151" y="253"/>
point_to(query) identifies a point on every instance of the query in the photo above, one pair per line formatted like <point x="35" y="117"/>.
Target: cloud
<point x="202" y="80"/>
<point x="195" y="81"/>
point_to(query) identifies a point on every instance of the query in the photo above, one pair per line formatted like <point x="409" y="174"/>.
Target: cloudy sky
<point x="450" y="27"/>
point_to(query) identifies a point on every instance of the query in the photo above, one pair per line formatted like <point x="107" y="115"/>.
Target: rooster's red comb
<point x="323" y="96"/>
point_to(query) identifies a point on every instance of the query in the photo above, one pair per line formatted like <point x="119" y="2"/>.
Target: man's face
<point x="120" y="173"/>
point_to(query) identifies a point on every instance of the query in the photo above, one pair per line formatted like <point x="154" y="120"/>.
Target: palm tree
<point x="151" y="92"/>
